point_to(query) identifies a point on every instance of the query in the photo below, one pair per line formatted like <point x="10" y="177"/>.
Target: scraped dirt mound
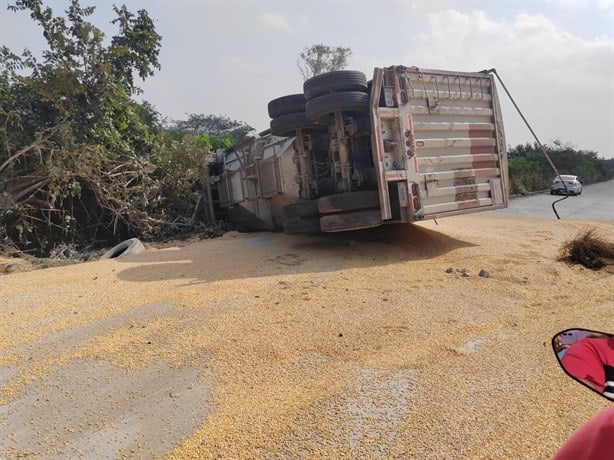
<point x="590" y="250"/>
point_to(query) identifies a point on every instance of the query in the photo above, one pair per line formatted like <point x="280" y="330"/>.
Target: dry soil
<point x="362" y="345"/>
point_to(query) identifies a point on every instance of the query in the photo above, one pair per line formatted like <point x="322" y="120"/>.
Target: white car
<point x="573" y="184"/>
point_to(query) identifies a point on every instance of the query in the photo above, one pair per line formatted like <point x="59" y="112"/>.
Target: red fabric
<point x="586" y="358"/>
<point x="594" y="441"/>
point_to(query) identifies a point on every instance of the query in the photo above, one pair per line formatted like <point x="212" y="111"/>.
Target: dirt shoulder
<point x="266" y="345"/>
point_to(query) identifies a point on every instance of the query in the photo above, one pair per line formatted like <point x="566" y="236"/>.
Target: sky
<point x="231" y="57"/>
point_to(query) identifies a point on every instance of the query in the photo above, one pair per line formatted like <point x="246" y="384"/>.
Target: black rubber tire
<point x="302" y="226"/>
<point x="346" y="101"/>
<point x="307" y="208"/>
<point x="129" y="247"/>
<point x="356" y="220"/>
<point x="348" y="201"/>
<point x="339" y="80"/>
<point x="286" y="125"/>
<point x="284" y="105"/>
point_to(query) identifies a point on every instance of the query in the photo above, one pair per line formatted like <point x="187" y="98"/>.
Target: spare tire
<point x="284" y="105"/>
<point x="129" y="247"/>
<point x="338" y="80"/>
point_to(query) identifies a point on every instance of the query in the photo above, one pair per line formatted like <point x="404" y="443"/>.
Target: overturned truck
<point x="349" y="154"/>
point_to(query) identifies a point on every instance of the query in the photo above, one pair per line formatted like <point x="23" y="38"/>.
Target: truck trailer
<point x="350" y="153"/>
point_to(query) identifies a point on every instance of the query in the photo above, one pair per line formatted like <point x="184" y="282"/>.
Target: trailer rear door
<point x="442" y="133"/>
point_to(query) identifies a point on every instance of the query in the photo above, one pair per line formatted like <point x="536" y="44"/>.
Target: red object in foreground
<point x="594" y="441"/>
<point x="588" y="360"/>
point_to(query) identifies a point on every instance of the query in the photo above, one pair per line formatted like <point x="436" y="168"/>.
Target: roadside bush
<point x="81" y="163"/>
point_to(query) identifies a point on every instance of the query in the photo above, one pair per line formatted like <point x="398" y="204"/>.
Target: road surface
<point x="595" y="203"/>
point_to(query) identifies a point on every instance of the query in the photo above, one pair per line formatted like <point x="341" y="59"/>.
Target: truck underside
<point x="349" y="154"/>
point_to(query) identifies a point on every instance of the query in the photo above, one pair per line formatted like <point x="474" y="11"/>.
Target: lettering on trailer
<point x="466" y="188"/>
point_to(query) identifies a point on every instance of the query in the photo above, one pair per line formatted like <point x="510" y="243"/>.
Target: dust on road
<point x="271" y="346"/>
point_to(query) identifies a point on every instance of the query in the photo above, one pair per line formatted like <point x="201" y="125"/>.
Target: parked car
<point x="574" y="185"/>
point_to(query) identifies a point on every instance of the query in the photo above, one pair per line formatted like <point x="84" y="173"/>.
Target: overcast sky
<point x="232" y="57"/>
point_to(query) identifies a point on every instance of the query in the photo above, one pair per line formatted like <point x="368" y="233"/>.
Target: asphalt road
<point x="595" y="203"/>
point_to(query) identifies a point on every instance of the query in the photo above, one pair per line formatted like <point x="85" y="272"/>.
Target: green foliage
<point x="530" y="171"/>
<point x="80" y="161"/>
<point x="212" y="125"/>
<point x="135" y="48"/>
<point x="319" y="58"/>
<point x="80" y="83"/>
<point x="210" y="132"/>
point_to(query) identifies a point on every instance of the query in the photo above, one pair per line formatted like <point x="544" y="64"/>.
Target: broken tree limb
<point x="30" y="147"/>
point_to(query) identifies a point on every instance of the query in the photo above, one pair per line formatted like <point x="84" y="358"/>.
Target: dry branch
<point x="36" y="144"/>
<point x="588" y="249"/>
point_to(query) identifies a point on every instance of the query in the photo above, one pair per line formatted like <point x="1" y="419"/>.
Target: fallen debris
<point x="588" y="249"/>
<point x="133" y="246"/>
<point x="461" y="271"/>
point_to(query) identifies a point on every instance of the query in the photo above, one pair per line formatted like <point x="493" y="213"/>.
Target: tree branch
<point x="30" y="147"/>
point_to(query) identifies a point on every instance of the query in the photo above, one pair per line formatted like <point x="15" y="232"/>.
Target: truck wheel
<point x="305" y="208"/>
<point x="284" y="105"/>
<point x="286" y="125"/>
<point x="356" y="220"/>
<point x="302" y="226"/>
<point x="348" y="201"/>
<point x="339" y="80"/>
<point x="346" y="101"/>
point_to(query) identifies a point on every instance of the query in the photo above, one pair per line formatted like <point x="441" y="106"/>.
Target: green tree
<point x="213" y="125"/>
<point x="530" y="171"/>
<point x="75" y="149"/>
<point x="80" y="81"/>
<point x="319" y="58"/>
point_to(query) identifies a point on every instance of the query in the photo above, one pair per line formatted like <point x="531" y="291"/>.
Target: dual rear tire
<point x="341" y="90"/>
<point x="323" y="95"/>
<point x="350" y="211"/>
<point x="333" y="213"/>
<point x="331" y="82"/>
<point x="356" y="220"/>
<point x="288" y="115"/>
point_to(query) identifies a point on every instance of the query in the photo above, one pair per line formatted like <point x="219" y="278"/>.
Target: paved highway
<point x="595" y="203"/>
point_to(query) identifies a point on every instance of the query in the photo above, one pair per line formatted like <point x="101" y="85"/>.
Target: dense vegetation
<point x="81" y="163"/>
<point x="530" y="171"/>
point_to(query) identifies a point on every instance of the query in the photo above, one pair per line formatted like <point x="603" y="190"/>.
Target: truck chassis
<point x="348" y="154"/>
